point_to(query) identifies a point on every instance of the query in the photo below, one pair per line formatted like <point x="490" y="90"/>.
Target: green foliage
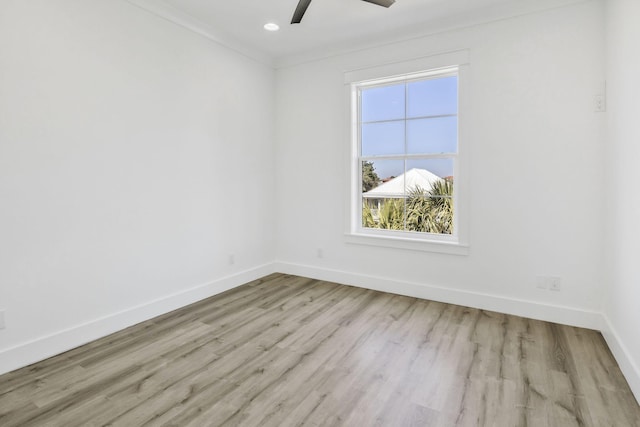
<point x="419" y="215"/>
<point x="431" y="212"/>
<point x="426" y="211"/>
<point x="370" y="179"/>
<point x="391" y="214"/>
<point x="367" y="216"/>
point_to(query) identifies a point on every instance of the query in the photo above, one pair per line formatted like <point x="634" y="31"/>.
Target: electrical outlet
<point x="232" y="259"/>
<point x="320" y="253"/>
<point x="600" y="104"/>
<point x="552" y="283"/>
<point x="542" y="282"/>
<point x="555" y="284"/>
<point x="2" y="324"/>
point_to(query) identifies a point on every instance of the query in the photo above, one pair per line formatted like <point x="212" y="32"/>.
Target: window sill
<point x="451" y="248"/>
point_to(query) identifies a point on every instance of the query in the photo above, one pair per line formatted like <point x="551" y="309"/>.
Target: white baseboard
<point x="64" y="340"/>
<point x="628" y="366"/>
<point x="551" y="313"/>
<point x="67" y="339"/>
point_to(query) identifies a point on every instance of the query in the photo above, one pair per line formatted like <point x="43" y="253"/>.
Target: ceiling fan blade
<point x="385" y="3"/>
<point x="300" y="10"/>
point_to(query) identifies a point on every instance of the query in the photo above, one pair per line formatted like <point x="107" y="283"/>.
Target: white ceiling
<point x="328" y="24"/>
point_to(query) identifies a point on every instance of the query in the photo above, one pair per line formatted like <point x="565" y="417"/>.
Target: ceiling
<point x="328" y="24"/>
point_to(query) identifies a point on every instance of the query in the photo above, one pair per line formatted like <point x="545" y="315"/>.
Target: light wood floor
<point x="289" y="351"/>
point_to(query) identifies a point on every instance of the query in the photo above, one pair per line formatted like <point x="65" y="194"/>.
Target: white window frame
<point x="441" y="65"/>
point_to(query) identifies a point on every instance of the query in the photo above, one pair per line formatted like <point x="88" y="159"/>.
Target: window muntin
<point x="407" y="145"/>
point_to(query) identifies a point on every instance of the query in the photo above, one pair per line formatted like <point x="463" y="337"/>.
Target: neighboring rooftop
<point x="395" y="188"/>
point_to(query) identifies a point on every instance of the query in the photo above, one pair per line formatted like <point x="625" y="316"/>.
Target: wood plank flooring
<point x="290" y="351"/>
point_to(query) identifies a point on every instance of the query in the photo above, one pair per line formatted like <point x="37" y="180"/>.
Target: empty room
<point x="319" y="213"/>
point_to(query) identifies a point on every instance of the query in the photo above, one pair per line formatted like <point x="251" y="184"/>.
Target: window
<point x="405" y="164"/>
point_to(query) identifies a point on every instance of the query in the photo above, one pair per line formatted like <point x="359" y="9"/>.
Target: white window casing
<point x="435" y="66"/>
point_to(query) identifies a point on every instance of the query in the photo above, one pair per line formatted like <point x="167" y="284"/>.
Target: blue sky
<point x="386" y="125"/>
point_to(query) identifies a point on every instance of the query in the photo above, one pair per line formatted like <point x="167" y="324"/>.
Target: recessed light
<point x="271" y="26"/>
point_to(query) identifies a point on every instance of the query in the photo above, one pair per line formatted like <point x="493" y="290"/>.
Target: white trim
<point x="565" y="315"/>
<point x="433" y="245"/>
<point x="628" y="366"/>
<point x="67" y="339"/>
<point x="462" y="193"/>
<point x="58" y="342"/>
<point x="429" y="28"/>
<point x="165" y="11"/>
<point x="436" y="64"/>
<point x="468" y="19"/>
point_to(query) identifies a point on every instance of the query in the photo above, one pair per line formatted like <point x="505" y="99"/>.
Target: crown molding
<point x="472" y="18"/>
<point x="165" y="11"/>
<point x="475" y="17"/>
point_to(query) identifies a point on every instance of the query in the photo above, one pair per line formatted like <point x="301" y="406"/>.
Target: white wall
<point x="122" y="134"/>
<point x="134" y="156"/>
<point x="536" y="172"/>
<point x="622" y="284"/>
